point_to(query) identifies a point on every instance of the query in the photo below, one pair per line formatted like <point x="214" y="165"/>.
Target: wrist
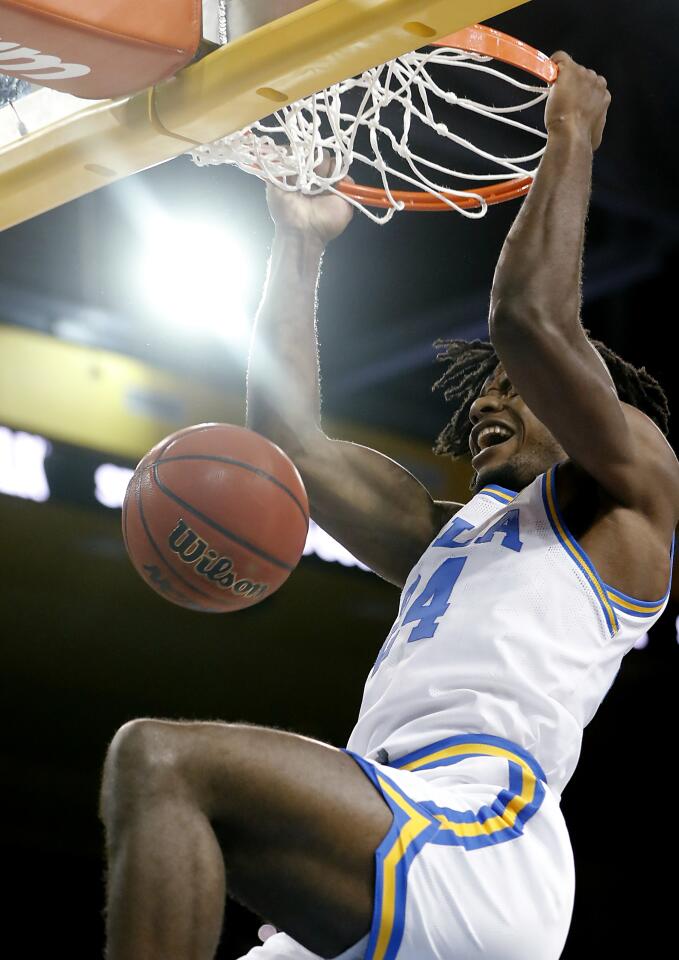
<point x="571" y="129"/>
<point x="302" y="239"/>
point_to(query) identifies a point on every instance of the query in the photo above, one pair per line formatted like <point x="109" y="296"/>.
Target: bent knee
<point x="142" y="755"/>
<point x="142" y="743"/>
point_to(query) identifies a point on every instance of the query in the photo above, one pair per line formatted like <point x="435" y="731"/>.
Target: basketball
<point x="215" y="518"/>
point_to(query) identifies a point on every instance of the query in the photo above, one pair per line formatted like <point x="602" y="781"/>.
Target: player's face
<point x="509" y="445"/>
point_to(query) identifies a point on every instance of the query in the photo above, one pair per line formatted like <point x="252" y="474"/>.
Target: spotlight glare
<point x="199" y="277"/>
<point x="110" y="484"/>
<point x="22" y="465"/>
<point x="327" y="548"/>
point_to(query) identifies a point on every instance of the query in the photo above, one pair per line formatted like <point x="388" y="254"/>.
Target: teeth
<point x="488" y="432"/>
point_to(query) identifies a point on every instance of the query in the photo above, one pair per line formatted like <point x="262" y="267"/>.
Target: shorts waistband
<point x="453" y="749"/>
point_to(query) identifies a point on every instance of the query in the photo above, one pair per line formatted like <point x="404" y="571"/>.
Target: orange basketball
<point x="215" y="518"/>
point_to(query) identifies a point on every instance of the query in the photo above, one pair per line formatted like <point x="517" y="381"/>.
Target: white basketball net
<point x="288" y="147"/>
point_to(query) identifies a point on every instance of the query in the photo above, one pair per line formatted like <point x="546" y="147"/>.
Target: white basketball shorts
<point x="477" y="863"/>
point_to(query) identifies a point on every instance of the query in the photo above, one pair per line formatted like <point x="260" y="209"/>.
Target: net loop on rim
<point x="377" y="119"/>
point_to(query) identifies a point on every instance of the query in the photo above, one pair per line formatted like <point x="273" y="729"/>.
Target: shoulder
<point x="647" y="482"/>
<point x="650" y="483"/>
<point x="445" y="510"/>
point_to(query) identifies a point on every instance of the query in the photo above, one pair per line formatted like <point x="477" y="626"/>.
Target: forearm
<point x="283" y="383"/>
<point x="538" y="277"/>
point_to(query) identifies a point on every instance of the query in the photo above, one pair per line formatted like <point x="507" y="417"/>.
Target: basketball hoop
<point x="288" y="147"/>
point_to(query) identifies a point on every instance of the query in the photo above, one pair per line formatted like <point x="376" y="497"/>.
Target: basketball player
<point x="438" y="834"/>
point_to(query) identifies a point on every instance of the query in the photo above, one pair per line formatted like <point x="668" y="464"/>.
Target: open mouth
<point x="491" y="435"/>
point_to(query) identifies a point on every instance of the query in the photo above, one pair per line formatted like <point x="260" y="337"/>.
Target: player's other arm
<point x="371" y="504"/>
<point x="535" y="310"/>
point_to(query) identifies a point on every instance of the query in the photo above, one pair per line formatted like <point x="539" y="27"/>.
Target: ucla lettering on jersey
<point x="504" y="628"/>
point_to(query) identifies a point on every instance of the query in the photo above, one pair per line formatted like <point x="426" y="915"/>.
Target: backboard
<point x="46" y="162"/>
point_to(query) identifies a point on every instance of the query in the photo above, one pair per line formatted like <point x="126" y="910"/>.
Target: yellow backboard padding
<point x="98" y="399"/>
<point x="122" y="406"/>
<point x="294" y="56"/>
<point x="306" y="51"/>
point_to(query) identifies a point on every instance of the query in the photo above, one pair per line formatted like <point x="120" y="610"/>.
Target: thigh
<point x="297" y="820"/>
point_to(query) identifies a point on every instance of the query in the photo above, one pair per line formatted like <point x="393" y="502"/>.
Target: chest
<point x="481" y="555"/>
<point x="493" y="580"/>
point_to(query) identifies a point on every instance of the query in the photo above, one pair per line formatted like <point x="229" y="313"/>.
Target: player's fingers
<point x="561" y="58"/>
<point x="325" y="166"/>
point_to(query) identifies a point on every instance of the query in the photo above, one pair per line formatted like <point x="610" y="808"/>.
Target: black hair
<point x="470" y="363"/>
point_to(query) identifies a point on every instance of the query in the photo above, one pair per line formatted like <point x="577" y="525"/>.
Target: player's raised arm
<point x="535" y="311"/>
<point x="371" y="504"/>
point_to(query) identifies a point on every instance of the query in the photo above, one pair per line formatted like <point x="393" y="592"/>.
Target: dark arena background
<point x="123" y="316"/>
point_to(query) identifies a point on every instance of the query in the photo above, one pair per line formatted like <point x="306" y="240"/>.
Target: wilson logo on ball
<point x="196" y="552"/>
<point x="247" y="518"/>
<point x="31" y="60"/>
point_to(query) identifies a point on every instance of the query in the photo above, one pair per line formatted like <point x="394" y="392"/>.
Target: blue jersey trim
<point x="440" y="753"/>
<point x="501" y="809"/>
<point x="608" y="597"/>
<point x="501" y="494"/>
<point x="640" y="608"/>
<point x="411" y="829"/>
<point x="575" y="551"/>
<point x="416" y="823"/>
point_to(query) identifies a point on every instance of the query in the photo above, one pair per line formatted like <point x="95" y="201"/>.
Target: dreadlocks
<point x="470" y="363"/>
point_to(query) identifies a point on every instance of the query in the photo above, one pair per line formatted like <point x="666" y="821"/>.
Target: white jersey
<point x="504" y="628"/>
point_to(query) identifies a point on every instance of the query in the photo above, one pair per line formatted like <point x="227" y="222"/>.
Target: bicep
<point x="372" y="505"/>
<point x="567" y="386"/>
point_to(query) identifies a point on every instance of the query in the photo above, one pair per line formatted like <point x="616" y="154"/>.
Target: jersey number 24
<point x="427" y="608"/>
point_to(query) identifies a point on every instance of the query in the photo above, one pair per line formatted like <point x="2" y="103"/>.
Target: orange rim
<point x="488" y="43"/>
